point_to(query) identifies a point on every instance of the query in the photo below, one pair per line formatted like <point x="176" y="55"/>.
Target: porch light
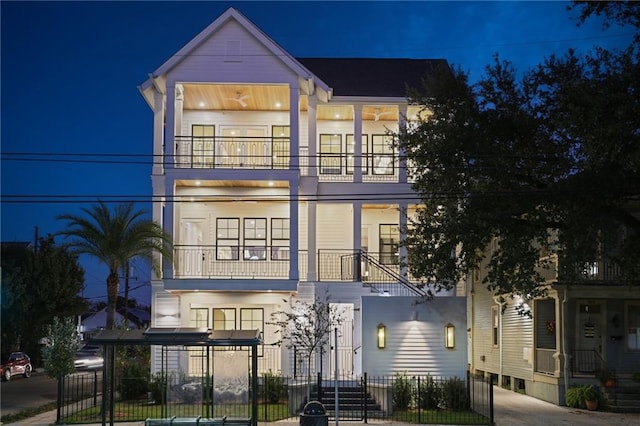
<point x="382" y="336"/>
<point x="449" y="336"/>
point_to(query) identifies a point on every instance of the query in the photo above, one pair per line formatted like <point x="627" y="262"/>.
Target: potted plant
<point x="582" y="396"/>
<point x="606" y="377"/>
<point x="590" y="395"/>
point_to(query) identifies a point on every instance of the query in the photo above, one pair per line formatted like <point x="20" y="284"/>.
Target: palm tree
<point x="114" y="238"/>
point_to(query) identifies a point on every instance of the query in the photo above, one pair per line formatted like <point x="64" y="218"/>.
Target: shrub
<point x="454" y="394"/>
<point x="577" y="395"/>
<point x="158" y="386"/>
<point x="428" y="393"/>
<point x="273" y="387"/>
<point x="402" y="391"/>
<point x="134" y="381"/>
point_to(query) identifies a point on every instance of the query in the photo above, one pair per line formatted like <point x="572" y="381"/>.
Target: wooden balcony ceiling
<point x="257" y="97"/>
<point x="231" y="183"/>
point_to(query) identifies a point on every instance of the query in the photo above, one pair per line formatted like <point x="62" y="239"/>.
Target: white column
<point x="311" y="243"/>
<point x="179" y="109"/>
<point x="169" y="140"/>
<point x="158" y="132"/>
<point x="402" y="123"/>
<point x="294" y="237"/>
<point x="357" y="139"/>
<point x="168" y="224"/>
<point x="357" y="227"/>
<point x="312" y="114"/>
<point x="294" y="127"/>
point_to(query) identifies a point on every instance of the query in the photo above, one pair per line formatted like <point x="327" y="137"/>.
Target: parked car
<point x="18" y="363"/>
<point x="89" y="358"/>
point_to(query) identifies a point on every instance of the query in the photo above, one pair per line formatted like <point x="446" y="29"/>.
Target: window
<point x="202" y="145"/>
<point x="224" y="319"/>
<point x="227" y="238"/>
<point x="495" y="325"/>
<point x="199" y="317"/>
<point x="389" y="243"/>
<point x="383" y="155"/>
<point x="351" y="154"/>
<point x="281" y="146"/>
<point x="330" y="154"/>
<point x="632" y="314"/>
<point x="255" y="239"/>
<point x="279" y="238"/>
<point x="252" y="319"/>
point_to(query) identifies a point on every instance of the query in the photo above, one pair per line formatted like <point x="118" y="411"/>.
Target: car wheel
<point x="7" y="375"/>
<point x="27" y="371"/>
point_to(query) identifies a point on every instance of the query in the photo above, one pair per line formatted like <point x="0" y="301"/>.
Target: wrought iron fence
<point x="399" y="398"/>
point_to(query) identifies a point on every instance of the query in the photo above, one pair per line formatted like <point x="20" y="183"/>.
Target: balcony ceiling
<point x="257" y="97"/>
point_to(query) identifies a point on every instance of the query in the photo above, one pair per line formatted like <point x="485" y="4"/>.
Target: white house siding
<point x="334" y="226"/>
<point x="485" y="356"/>
<point x="414" y="346"/>
<point x="207" y="62"/>
<point x="264" y="119"/>
<point x="517" y="341"/>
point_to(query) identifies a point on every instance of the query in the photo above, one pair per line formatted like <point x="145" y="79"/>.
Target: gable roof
<point x="372" y="76"/>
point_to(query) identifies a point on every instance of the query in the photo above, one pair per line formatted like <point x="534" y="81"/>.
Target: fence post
<point x="95" y="387"/>
<point x="59" y="402"/>
<point x="364" y="395"/>
<point x="319" y="387"/>
<point x="419" y="392"/>
<point x="490" y="384"/>
<point x="469" y="393"/>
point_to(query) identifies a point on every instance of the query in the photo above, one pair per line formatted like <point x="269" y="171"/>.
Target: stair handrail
<point x="361" y="254"/>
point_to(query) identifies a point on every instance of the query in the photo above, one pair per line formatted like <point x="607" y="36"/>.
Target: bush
<point x="428" y="393"/>
<point x="273" y="387"/>
<point x="134" y="381"/>
<point x="577" y="395"/>
<point x="402" y="391"/>
<point x="454" y="394"/>
<point x="158" y="386"/>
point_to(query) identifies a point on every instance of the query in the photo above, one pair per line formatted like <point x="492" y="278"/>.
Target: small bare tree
<point x="307" y="327"/>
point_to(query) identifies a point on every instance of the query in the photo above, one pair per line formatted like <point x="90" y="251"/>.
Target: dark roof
<point x="188" y="336"/>
<point x="372" y="77"/>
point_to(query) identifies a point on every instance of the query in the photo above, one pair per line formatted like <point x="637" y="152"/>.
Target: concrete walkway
<point x="510" y="408"/>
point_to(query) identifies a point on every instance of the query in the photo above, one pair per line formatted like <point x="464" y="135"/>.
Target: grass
<point x="443" y="417"/>
<point x="16" y="417"/>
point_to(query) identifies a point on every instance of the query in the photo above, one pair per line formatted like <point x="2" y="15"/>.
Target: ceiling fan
<point x="377" y="114"/>
<point x="240" y="98"/>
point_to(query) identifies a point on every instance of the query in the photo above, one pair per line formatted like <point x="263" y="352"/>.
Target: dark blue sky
<point x="70" y="71"/>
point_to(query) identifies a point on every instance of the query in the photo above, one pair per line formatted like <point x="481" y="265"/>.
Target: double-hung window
<point x="389" y="244"/>
<point x="280" y="146"/>
<point x="279" y="238"/>
<point x="227" y="238"/>
<point x="202" y="145"/>
<point x="255" y="239"/>
<point x="330" y="154"/>
<point x="224" y="319"/>
<point x="252" y="319"/>
<point x="383" y="157"/>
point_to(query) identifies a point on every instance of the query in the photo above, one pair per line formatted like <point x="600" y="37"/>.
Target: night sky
<point x="70" y="71"/>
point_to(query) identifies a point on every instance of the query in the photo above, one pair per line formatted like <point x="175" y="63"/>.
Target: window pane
<point x="389" y="244"/>
<point x="224" y="319"/>
<point x="199" y="317"/>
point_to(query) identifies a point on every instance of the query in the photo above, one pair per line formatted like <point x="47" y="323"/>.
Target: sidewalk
<point x="510" y="408"/>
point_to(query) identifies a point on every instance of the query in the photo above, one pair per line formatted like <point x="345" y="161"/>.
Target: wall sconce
<point x="449" y="336"/>
<point x="382" y="336"/>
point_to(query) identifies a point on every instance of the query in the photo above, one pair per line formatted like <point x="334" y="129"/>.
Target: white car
<point x="89" y="358"/>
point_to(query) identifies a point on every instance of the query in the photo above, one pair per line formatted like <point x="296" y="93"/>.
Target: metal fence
<point x="399" y="398"/>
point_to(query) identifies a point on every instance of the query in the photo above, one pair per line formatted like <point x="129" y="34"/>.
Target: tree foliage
<point x="115" y="237"/>
<point x="38" y="283"/>
<point x="307" y="327"/>
<point x="62" y="341"/>
<point x="531" y="167"/>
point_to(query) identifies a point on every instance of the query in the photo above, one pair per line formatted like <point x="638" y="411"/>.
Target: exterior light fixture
<point x="449" y="336"/>
<point x="382" y="336"/>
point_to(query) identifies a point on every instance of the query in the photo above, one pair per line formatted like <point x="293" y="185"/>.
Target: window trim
<point x="213" y="318"/>
<point x="245" y="255"/>
<point x="380" y="244"/>
<point x="234" y="256"/>
<point x="260" y="346"/>
<point x="273" y="239"/>
<point x="331" y="156"/>
<point x="495" y="328"/>
<point x="387" y="152"/>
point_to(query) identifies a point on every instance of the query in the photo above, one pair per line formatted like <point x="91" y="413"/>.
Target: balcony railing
<point x="238" y="262"/>
<point x="219" y="152"/>
<point x="596" y="271"/>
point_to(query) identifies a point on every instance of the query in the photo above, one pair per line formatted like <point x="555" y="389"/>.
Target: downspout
<point x="564" y="342"/>
<point x="501" y="346"/>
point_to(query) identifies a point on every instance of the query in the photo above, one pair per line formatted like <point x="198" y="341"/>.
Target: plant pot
<point x="591" y="405"/>
<point x="609" y="383"/>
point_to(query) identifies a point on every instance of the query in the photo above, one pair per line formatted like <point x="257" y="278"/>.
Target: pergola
<point x="177" y="337"/>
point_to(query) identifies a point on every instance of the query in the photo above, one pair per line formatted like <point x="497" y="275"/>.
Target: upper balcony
<point x="595" y="272"/>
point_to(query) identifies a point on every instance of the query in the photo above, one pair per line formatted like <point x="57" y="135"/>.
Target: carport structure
<point x="209" y="344"/>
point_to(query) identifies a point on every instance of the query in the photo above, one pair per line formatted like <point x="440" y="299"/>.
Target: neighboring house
<point x="278" y="180"/>
<point x="587" y="328"/>
<point x="95" y="321"/>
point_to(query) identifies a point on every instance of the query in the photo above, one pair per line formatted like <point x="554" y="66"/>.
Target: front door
<point x="590" y="336"/>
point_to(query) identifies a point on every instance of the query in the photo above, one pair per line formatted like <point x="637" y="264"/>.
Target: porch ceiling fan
<point x="240" y="98"/>
<point x="377" y="114"/>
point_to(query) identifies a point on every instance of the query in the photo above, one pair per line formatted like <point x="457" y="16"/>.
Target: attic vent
<point x="233" y="52"/>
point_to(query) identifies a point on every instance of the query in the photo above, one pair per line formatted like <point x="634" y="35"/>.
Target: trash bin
<point x="314" y="414"/>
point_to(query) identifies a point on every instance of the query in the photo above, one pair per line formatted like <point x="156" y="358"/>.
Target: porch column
<point x="169" y="140"/>
<point x="294" y="129"/>
<point x="168" y="224"/>
<point x="402" y="123"/>
<point x="294" y="273"/>
<point x="312" y="121"/>
<point x="312" y="265"/>
<point x="179" y="110"/>
<point x="402" y="250"/>
<point x="158" y="132"/>
<point x="357" y="227"/>
<point x="157" y="209"/>
<point x="357" y="145"/>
